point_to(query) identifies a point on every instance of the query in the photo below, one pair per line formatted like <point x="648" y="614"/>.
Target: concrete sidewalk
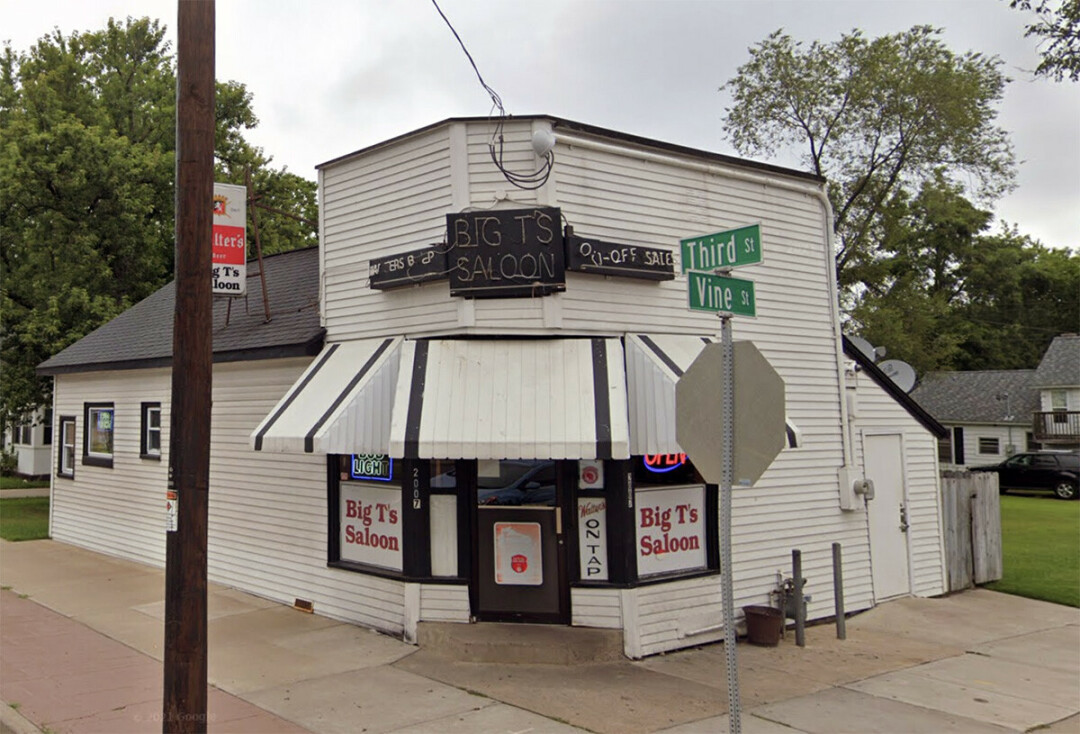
<point x="80" y="651"/>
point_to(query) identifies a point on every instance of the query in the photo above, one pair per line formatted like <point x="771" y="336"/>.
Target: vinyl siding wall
<point x="267" y="512"/>
<point x="638" y="199"/>
<point x="877" y="412"/>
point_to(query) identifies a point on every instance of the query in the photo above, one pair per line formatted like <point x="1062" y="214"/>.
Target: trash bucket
<point x="763" y="625"/>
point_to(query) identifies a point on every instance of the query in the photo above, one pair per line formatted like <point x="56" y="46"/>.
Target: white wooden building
<point x="395" y="448"/>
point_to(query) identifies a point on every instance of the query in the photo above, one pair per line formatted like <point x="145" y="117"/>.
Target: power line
<point x="528" y="181"/>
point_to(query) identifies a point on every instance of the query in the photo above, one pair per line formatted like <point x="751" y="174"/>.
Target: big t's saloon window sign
<point x="515" y="253"/>
<point x="670" y="529"/>
<point x="371" y="525"/>
<point x="230" y="240"/>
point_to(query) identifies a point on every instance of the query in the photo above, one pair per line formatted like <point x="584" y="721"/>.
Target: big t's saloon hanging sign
<point x="515" y="253"/>
<point x="230" y="240"/>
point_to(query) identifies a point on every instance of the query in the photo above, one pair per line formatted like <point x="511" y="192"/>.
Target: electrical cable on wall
<point x="543" y="142"/>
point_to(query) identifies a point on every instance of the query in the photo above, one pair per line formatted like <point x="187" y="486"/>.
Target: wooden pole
<point x="185" y="692"/>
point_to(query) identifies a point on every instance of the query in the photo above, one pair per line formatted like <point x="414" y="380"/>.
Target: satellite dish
<point x="864" y="346"/>
<point x="901" y="373"/>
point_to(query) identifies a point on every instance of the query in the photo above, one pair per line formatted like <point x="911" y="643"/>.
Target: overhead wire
<point x="496" y="144"/>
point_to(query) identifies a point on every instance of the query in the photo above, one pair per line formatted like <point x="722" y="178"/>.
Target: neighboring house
<point x="1057" y="421"/>
<point x="356" y="434"/>
<point x="30" y="440"/>
<point x="988" y="414"/>
<point x="994" y="414"/>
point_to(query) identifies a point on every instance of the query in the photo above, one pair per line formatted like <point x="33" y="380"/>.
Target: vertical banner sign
<point x="592" y="538"/>
<point x="230" y="239"/>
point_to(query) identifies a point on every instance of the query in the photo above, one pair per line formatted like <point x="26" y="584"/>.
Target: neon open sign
<point x="663" y="463"/>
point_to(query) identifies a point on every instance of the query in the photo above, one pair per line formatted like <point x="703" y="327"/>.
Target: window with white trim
<point x="66" y="454"/>
<point x="98" y="428"/>
<point x="989" y="445"/>
<point x="150" y="441"/>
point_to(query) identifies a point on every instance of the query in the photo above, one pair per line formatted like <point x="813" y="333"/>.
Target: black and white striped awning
<point x="511" y="399"/>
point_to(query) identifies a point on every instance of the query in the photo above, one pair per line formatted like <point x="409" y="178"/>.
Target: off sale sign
<point x="230" y="239"/>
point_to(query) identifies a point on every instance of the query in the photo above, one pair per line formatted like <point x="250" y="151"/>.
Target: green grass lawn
<point x="1040" y="539"/>
<point x="20" y="483"/>
<point x="24" y="518"/>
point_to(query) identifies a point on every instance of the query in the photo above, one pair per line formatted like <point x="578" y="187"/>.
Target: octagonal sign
<point x="759" y="413"/>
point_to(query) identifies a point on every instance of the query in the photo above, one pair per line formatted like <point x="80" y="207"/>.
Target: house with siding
<point x="993" y="414"/>
<point x="462" y="408"/>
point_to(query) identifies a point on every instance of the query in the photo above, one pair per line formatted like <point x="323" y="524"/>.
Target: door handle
<point x="558" y="521"/>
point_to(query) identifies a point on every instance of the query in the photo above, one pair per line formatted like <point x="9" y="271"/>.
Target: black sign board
<point x="627" y="261"/>
<point x="409" y="268"/>
<point x="506" y="253"/>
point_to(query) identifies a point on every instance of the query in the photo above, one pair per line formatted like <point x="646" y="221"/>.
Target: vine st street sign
<point x="719" y="294"/>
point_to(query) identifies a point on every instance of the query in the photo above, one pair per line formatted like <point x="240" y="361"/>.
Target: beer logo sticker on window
<point x="518" y="559"/>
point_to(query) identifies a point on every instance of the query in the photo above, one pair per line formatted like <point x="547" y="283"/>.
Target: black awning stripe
<point x="296" y="390"/>
<point x="792" y="441"/>
<point x="416" y="401"/>
<point x="661" y="354"/>
<point x="309" y="439"/>
<point x="601" y="400"/>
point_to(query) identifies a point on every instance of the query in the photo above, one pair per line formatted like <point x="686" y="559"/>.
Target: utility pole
<point x="185" y="692"/>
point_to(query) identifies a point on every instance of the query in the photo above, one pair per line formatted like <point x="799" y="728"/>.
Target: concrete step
<point x="488" y="642"/>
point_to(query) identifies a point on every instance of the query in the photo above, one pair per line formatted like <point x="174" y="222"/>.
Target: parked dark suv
<point x="1057" y="472"/>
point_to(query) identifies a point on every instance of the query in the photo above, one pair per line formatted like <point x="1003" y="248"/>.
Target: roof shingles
<point x="142" y="336"/>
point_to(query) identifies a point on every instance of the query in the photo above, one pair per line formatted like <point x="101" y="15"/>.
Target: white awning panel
<point x="654" y="363"/>
<point x="511" y="399"/>
<point x="342" y="404"/>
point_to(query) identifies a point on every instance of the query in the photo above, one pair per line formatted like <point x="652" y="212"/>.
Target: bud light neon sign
<point x="663" y="463"/>
<point x="379" y="467"/>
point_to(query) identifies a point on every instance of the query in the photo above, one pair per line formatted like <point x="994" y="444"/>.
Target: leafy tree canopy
<point x="1058" y="26"/>
<point x="87" y="140"/>
<point x="877" y="118"/>
<point x="947" y="295"/>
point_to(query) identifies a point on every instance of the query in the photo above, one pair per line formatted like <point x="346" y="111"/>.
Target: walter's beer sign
<point x="230" y="240"/>
<point x="515" y="253"/>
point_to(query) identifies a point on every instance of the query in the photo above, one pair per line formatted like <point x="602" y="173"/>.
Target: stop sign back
<point x="759" y="413"/>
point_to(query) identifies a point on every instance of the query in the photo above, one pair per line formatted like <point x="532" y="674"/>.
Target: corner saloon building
<point x="463" y="406"/>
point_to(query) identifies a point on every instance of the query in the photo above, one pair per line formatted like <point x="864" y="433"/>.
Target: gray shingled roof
<point x="1060" y="366"/>
<point x="979" y="397"/>
<point x="142" y="336"/>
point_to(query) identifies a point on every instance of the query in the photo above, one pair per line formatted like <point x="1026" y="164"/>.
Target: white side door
<point x="888" y="516"/>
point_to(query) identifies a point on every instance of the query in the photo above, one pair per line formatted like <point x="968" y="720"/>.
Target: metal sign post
<point x="727" y="452"/>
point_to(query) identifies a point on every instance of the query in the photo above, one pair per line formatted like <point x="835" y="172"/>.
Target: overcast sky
<point x="332" y="76"/>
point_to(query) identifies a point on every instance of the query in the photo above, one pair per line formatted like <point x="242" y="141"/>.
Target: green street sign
<point x="718" y="294"/>
<point x="730" y="249"/>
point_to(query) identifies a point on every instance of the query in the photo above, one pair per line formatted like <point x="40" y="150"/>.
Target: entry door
<point x="520" y="571"/>
<point x="888" y="516"/>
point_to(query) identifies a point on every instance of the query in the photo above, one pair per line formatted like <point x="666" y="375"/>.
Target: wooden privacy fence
<point x="972" y="506"/>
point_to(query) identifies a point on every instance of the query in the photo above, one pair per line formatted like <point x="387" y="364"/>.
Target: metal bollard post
<point x="800" y="610"/>
<point x="838" y="592"/>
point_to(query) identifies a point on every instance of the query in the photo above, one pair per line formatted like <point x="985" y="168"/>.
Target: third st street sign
<point x="720" y="294"/>
<point x="729" y="249"/>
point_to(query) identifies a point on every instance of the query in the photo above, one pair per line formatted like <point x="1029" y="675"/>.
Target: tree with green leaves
<point x="877" y="118"/>
<point x="946" y="295"/>
<point x="1057" y="25"/>
<point x="87" y="141"/>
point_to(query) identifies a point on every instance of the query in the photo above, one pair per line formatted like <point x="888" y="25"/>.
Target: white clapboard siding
<point x="596" y="608"/>
<point x="1005" y="436"/>
<point x="267" y="512"/>
<point x="878" y="411"/>
<point x="444" y="603"/>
